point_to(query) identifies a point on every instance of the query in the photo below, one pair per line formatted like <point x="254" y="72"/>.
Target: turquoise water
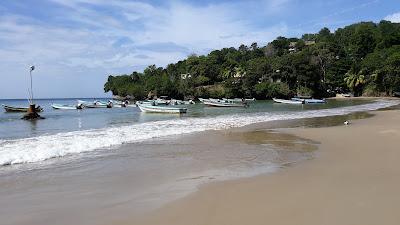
<point x="58" y="121"/>
<point x="72" y="132"/>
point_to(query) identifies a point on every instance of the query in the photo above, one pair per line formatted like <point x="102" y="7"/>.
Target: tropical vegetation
<point x="362" y="58"/>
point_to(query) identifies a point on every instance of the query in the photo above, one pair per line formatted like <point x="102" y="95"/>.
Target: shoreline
<point x="339" y="186"/>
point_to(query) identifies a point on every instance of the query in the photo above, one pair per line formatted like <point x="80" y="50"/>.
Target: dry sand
<point x="354" y="180"/>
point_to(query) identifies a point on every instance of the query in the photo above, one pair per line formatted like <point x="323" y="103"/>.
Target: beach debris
<point x="346" y="122"/>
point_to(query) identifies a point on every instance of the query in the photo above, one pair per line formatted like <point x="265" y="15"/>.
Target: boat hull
<point x="161" y="109"/>
<point x="8" y="108"/>
<point x="223" y="104"/>
<point x="284" y="101"/>
<point x="310" y="101"/>
<point x="64" y="107"/>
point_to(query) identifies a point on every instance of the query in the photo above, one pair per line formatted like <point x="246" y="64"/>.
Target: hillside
<point x="363" y="58"/>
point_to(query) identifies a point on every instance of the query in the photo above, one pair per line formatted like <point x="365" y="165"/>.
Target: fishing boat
<point x="223" y="103"/>
<point x="160" y="109"/>
<point x="189" y="102"/>
<point x="96" y="104"/>
<point x="239" y="99"/>
<point x="310" y="100"/>
<point x="176" y="102"/>
<point x="284" y="101"/>
<point x="20" y="109"/>
<point x="66" y="107"/>
<point x="119" y="104"/>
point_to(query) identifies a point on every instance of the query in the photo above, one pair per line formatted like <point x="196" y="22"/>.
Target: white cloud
<point x="395" y="17"/>
<point x="82" y="37"/>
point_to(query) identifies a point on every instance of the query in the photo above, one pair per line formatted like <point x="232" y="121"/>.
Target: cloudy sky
<point x="76" y="44"/>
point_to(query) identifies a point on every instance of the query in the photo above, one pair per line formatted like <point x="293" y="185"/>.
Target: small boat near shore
<point x="223" y="103"/>
<point x="96" y="104"/>
<point x="8" y="108"/>
<point x="310" y="100"/>
<point x="67" y="107"/>
<point x="284" y="101"/>
<point x="160" y="109"/>
<point x="240" y="99"/>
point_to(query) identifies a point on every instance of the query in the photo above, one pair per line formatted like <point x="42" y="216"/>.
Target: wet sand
<point x="352" y="180"/>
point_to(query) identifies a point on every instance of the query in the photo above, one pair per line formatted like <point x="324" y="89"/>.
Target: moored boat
<point x="66" y="107"/>
<point x="96" y="104"/>
<point x="223" y="103"/>
<point x="284" y="101"/>
<point x="160" y="109"/>
<point x="8" y="108"/>
<point x="239" y="99"/>
<point x="310" y="100"/>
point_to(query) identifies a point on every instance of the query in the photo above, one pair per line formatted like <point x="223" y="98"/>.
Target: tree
<point x="355" y="82"/>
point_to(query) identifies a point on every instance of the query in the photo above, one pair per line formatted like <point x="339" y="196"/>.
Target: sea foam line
<point x="36" y="149"/>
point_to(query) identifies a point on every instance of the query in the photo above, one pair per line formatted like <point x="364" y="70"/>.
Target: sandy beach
<point x="352" y="180"/>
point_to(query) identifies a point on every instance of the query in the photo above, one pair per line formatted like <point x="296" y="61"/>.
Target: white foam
<point x="28" y="150"/>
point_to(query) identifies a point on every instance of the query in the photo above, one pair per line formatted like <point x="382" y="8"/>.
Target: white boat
<point x="223" y="103"/>
<point x="189" y="102"/>
<point x="119" y="104"/>
<point x="284" y="101"/>
<point x="310" y="100"/>
<point x="202" y="99"/>
<point x="96" y="104"/>
<point x="160" y="109"/>
<point x="239" y="99"/>
<point x="66" y="107"/>
<point x="176" y="102"/>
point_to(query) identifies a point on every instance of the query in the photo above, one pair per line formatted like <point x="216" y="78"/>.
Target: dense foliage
<point x="363" y="58"/>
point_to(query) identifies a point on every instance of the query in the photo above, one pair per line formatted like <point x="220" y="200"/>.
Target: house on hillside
<point x="184" y="76"/>
<point x="292" y="46"/>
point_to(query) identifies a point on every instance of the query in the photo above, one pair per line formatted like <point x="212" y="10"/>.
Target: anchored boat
<point x="284" y="101"/>
<point x="160" y="109"/>
<point x="20" y="109"/>
<point x="223" y="103"/>
<point x="96" y="104"/>
<point x="67" y="107"/>
<point x="310" y="100"/>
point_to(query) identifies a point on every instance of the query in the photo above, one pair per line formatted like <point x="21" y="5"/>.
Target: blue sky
<point x="76" y="44"/>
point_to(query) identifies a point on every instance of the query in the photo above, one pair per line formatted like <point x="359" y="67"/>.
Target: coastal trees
<point x="363" y="58"/>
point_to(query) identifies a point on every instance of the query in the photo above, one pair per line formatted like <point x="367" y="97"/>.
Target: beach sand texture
<point x="353" y="180"/>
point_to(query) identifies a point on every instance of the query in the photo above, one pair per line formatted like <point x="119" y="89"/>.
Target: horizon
<point x="84" y="41"/>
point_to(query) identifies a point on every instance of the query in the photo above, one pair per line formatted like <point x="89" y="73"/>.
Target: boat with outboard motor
<point x="67" y="107"/>
<point x="309" y="100"/>
<point x="285" y="101"/>
<point x="96" y="104"/>
<point x="223" y="103"/>
<point x="151" y="108"/>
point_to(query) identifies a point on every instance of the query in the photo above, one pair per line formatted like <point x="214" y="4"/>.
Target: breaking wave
<point x="36" y="149"/>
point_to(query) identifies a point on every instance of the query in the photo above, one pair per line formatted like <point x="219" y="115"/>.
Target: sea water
<point x="67" y="132"/>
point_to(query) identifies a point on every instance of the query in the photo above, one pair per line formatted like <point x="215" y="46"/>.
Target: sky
<point x="76" y="44"/>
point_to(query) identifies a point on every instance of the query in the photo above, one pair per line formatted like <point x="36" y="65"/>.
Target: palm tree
<point x="355" y="81"/>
